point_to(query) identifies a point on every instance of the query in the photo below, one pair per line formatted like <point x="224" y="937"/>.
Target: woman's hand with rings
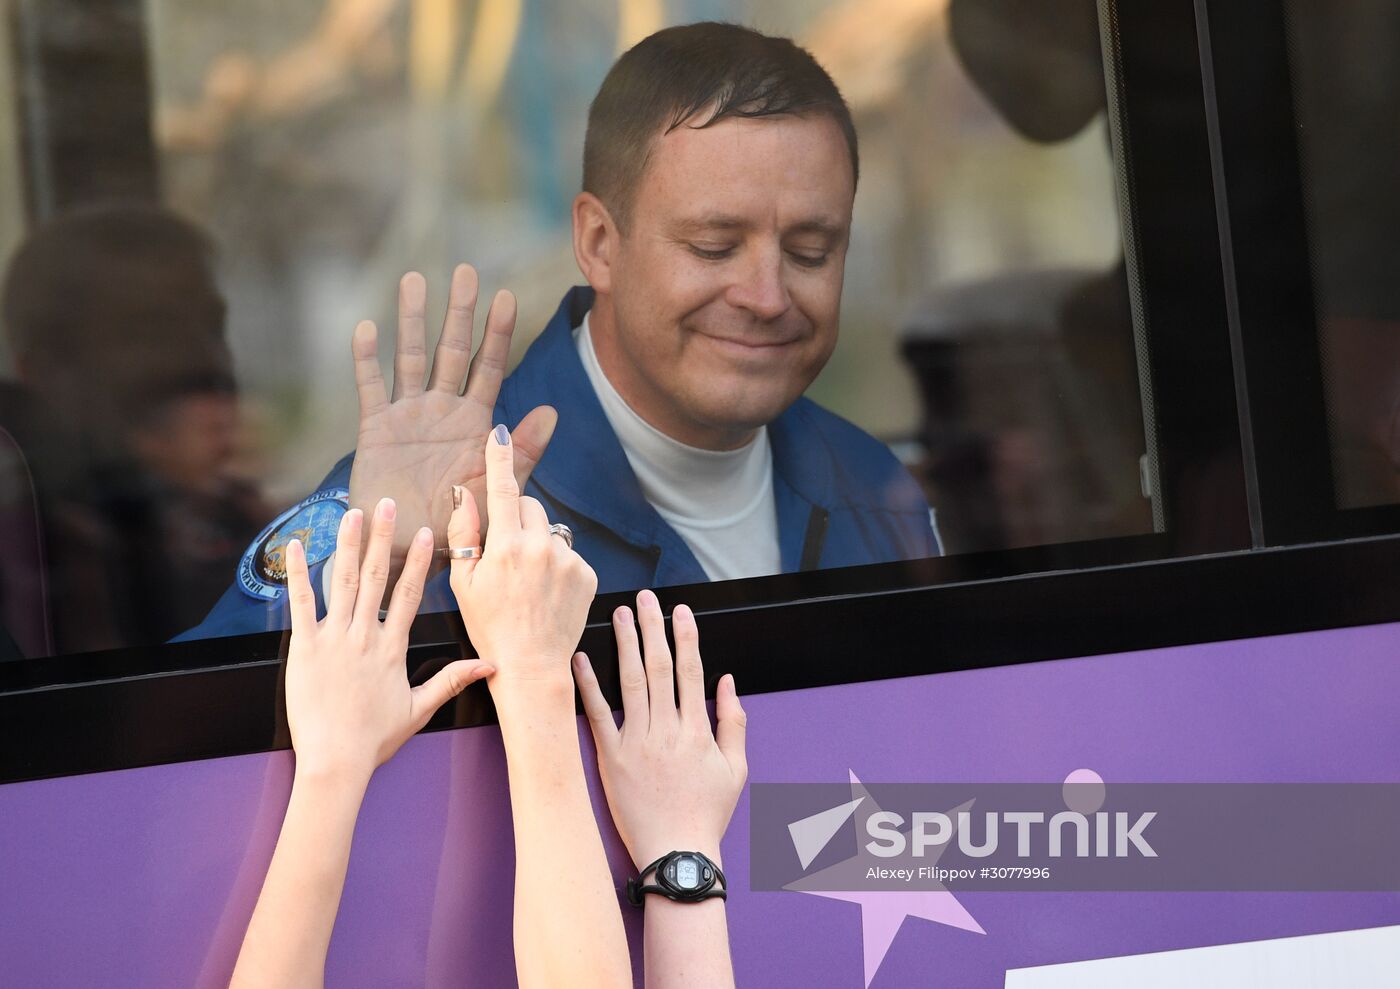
<point x="525" y="599"/>
<point x="563" y="532"/>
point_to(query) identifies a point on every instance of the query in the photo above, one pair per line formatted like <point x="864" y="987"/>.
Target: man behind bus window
<point x="720" y="170"/>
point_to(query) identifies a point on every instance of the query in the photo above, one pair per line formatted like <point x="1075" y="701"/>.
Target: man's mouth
<point x="751" y="345"/>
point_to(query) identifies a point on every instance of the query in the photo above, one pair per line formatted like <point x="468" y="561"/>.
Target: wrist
<point x="347" y="777"/>
<point x="552" y="690"/>
<point x="538" y="726"/>
<point x="649" y="852"/>
<point x="659" y="907"/>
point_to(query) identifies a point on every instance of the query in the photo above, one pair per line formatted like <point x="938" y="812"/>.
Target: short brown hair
<point x="719" y="70"/>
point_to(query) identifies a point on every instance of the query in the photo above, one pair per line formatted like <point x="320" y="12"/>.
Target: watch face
<point x="687" y="873"/>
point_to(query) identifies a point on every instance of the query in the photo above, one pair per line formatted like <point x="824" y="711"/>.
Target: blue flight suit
<point x="842" y="498"/>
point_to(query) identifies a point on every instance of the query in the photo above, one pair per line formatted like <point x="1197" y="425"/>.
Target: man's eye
<point x="711" y="253"/>
<point x="808" y="260"/>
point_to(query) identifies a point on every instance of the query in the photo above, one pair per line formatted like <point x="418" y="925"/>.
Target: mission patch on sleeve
<point x="262" y="573"/>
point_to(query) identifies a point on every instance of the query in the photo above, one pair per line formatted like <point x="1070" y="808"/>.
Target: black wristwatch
<point x="686" y="877"/>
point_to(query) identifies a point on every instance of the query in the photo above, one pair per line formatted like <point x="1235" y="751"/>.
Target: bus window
<point x="964" y="378"/>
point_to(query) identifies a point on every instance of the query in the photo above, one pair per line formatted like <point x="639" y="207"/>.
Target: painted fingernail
<point x="387" y="509"/>
<point x="459" y="493"/>
<point x="501" y="435"/>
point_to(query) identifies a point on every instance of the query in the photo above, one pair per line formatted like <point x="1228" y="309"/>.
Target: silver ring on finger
<point x="563" y="532"/>
<point x="460" y="552"/>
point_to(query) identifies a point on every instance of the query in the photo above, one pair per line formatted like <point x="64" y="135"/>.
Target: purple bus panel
<point x="146" y="877"/>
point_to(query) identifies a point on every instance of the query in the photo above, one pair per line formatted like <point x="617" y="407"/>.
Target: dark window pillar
<point x="83" y="92"/>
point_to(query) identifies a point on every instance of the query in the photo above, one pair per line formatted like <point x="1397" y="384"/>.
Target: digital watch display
<point x="686" y="877"/>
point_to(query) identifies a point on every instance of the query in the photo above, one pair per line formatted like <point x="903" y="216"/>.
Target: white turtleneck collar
<point x="719" y="501"/>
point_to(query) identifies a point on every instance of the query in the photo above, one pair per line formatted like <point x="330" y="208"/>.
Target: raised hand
<point x="525" y="601"/>
<point x="349" y="707"/>
<point x="416" y="443"/>
<point x="670" y="782"/>
<point x="349" y="704"/>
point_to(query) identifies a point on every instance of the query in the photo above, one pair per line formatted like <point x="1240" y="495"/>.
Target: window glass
<point x="1346" y="76"/>
<point x="184" y="396"/>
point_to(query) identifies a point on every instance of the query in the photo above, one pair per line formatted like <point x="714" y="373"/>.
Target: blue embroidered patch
<point x="262" y="573"/>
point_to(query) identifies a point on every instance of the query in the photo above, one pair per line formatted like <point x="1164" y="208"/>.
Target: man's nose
<point x="759" y="286"/>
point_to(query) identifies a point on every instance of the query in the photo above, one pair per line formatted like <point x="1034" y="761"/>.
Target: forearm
<point x="568" y="925"/>
<point x="290" y="930"/>
<point x="686" y="944"/>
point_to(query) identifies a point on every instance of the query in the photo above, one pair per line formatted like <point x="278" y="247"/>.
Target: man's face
<point x="726" y="286"/>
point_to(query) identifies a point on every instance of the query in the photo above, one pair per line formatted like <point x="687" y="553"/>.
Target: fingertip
<point x="623" y="615"/>
<point x="464" y="522"/>
<point x="500" y="435"/>
<point x="647" y="599"/>
<point x="364" y="350"/>
<point x="459" y="675"/>
<point x="423" y="538"/>
<point x="295" y="548"/>
<point x="386" y="509"/>
<point x="462" y="498"/>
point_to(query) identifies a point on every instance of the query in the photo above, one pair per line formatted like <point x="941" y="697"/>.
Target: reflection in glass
<point x="124" y="412"/>
<point x="1056" y="457"/>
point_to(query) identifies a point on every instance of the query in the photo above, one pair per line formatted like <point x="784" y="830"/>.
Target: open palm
<point x="414" y="445"/>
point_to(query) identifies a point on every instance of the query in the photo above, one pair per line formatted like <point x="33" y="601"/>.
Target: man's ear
<point x="595" y="241"/>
